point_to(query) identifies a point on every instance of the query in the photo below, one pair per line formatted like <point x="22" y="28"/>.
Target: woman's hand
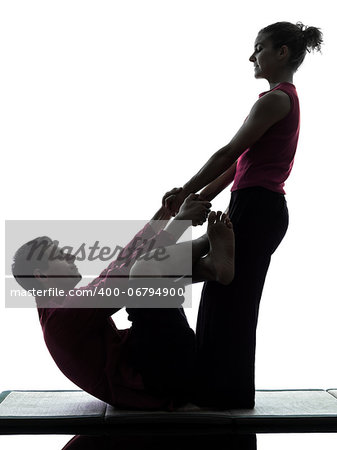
<point x="173" y="199"/>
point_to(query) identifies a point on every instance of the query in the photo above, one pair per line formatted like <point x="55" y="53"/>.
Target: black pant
<point x="227" y="319"/>
<point x="163" y="350"/>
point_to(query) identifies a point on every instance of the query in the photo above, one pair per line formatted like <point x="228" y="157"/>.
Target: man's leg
<point x="163" y="345"/>
<point x="163" y="351"/>
<point x="217" y="243"/>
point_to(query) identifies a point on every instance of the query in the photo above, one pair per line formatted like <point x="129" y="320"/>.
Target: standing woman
<point x="259" y="159"/>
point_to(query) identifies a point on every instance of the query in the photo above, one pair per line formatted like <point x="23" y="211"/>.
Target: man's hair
<point x="29" y="257"/>
<point x="297" y="37"/>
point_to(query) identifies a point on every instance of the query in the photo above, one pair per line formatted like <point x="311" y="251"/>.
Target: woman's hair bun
<point x="313" y="37"/>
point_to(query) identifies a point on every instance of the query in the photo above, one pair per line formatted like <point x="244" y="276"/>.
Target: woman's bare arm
<point x="219" y="184"/>
<point x="268" y="110"/>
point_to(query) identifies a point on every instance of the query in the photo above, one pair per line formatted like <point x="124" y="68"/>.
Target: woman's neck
<point x="281" y="78"/>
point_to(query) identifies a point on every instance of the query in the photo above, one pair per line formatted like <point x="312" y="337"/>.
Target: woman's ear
<point x="284" y="51"/>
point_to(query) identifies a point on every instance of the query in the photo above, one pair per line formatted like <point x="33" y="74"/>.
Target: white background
<point x="106" y="105"/>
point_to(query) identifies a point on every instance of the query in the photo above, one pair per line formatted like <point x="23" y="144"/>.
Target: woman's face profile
<point x="264" y="57"/>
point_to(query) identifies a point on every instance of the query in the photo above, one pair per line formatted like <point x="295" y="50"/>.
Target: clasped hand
<point x="186" y="207"/>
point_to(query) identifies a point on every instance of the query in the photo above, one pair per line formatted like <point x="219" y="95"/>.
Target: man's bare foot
<point x="220" y="258"/>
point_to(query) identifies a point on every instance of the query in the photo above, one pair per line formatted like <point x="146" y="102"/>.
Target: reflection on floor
<point x="262" y="441"/>
<point x="163" y="442"/>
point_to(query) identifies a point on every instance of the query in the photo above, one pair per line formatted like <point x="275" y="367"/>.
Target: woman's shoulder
<point x="288" y="92"/>
<point x="276" y="99"/>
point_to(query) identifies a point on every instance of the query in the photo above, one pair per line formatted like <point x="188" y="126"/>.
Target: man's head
<point x="41" y="264"/>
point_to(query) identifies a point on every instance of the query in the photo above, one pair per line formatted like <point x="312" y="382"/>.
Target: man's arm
<point x="160" y="219"/>
<point x="154" y="226"/>
<point x="268" y="110"/>
<point x="194" y="212"/>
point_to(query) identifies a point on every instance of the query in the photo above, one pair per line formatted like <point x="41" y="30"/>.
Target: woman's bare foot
<point x="220" y="258"/>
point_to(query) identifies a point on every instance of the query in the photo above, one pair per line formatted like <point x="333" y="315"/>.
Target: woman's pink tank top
<point x="269" y="161"/>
